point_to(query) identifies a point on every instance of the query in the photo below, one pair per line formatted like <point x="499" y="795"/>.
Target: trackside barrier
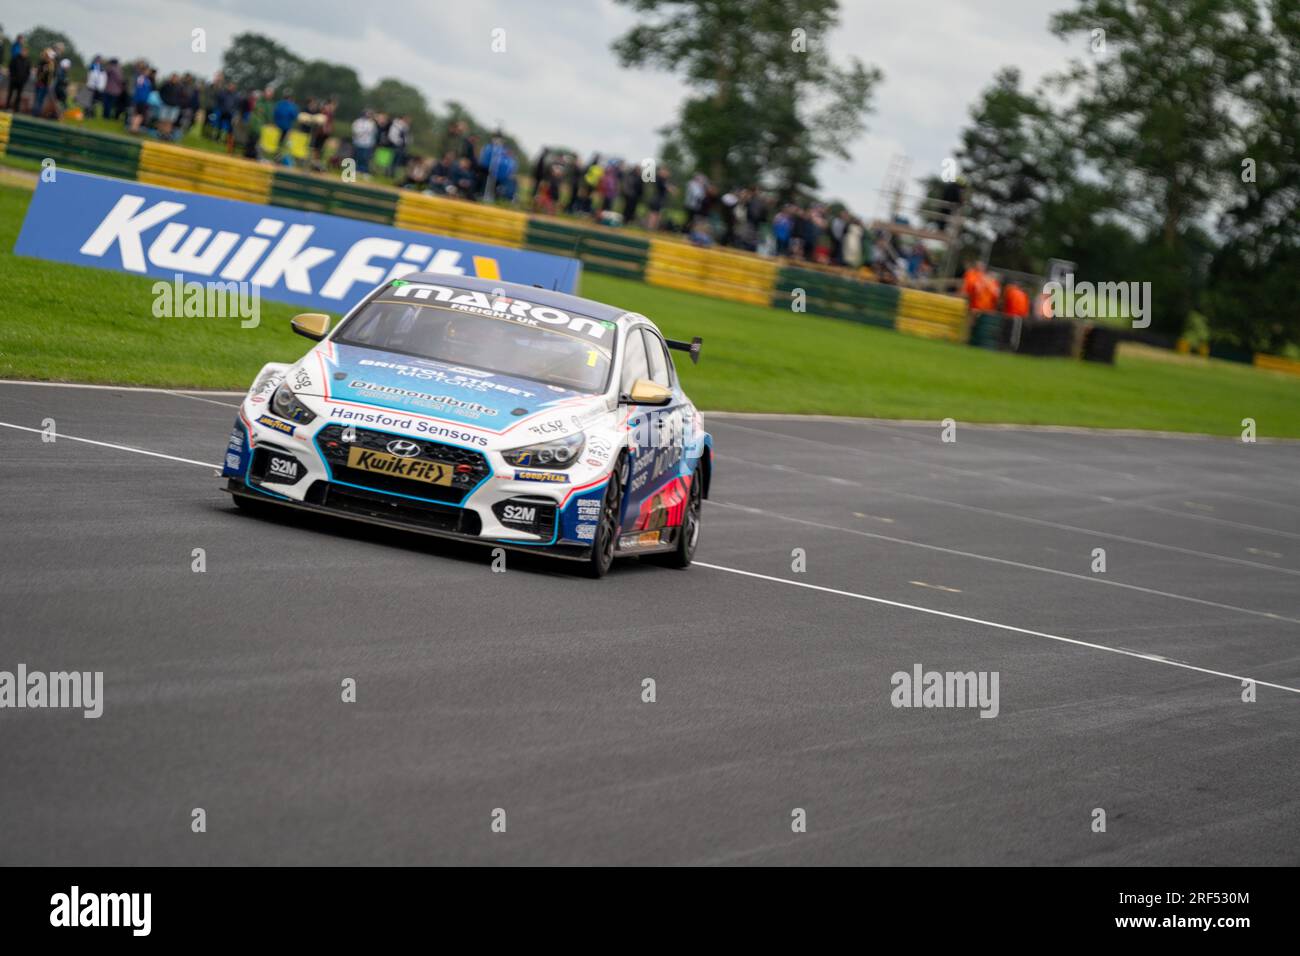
<point x="1047" y="337"/>
<point x="718" y="273"/>
<point x="986" y="330"/>
<point x="1099" y="343"/>
<point x="333" y="196"/>
<point x="932" y="316"/>
<point x="601" y="250"/>
<point x="1273" y="363"/>
<point x="827" y="293"/>
<point x="460" y="219"/>
<point x="1276" y="363"/>
<point x="5" y="120"/>
<point x="1231" y="353"/>
<point x="72" y="148"/>
<point x="176" y="167"/>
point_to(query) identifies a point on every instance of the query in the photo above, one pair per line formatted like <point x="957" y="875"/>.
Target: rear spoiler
<point x="693" y="347"/>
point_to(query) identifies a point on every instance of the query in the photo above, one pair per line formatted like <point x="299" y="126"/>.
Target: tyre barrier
<point x="1044" y="337"/>
<point x="101" y="153"/>
<point x="1231" y="353"/>
<point x="829" y="294"/>
<point x="458" y="218"/>
<point x="1275" y="363"/>
<point x="932" y="316"/>
<point x="719" y="273"/>
<point x="1099" y="344"/>
<point x="333" y="196"/>
<point x="175" y="167"/>
<point x="608" y="253"/>
<point x="986" y="330"/>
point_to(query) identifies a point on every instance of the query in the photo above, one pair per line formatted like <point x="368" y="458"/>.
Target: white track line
<point x="1006" y="561"/>
<point x="1038" y="441"/>
<point x="200" y="398"/>
<point x="121" y="388"/>
<point x="1154" y="658"/>
<point x="986" y="426"/>
<point x="1011" y="516"/>
<point x="105" y="444"/>
<point x="800" y="584"/>
<point x="988" y="476"/>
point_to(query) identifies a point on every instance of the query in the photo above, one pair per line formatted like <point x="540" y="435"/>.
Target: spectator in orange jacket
<point x="971" y="279"/>
<point x="984" y="297"/>
<point x="1014" y="301"/>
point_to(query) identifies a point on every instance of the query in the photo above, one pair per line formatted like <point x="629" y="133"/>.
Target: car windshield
<point x="570" y="352"/>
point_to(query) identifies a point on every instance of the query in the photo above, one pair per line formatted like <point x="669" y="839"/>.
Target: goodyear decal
<point x="283" y="427"/>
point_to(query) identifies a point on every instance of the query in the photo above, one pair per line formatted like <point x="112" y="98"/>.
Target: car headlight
<point x="560" y="453"/>
<point x="285" y="404"/>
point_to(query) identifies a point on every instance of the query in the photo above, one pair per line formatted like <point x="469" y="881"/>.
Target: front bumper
<point x="478" y="498"/>
<point x="387" y="512"/>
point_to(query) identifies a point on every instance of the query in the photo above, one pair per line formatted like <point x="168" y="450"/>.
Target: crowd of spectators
<point x="269" y="125"/>
<point x="45" y="73"/>
<point x="618" y="192"/>
<point x="272" y="125"/>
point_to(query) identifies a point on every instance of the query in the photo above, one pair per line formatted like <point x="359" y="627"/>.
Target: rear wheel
<point x="606" y="537"/>
<point x="688" y="535"/>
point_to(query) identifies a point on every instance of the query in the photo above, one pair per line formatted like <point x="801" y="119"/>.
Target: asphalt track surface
<point x="523" y="690"/>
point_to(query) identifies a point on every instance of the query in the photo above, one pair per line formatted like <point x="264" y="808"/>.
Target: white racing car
<point x="479" y="410"/>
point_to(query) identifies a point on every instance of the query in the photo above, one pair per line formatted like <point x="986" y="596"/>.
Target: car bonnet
<point x="352" y="375"/>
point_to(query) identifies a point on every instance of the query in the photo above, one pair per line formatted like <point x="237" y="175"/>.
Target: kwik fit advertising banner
<point x="326" y="263"/>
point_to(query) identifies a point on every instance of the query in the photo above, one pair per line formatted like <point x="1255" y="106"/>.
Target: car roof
<point x="573" y="304"/>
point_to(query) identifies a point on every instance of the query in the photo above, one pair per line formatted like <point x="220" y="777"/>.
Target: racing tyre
<point x="689" y="535"/>
<point x="603" y="544"/>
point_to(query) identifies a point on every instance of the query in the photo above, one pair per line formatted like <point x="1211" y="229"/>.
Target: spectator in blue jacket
<point x="140" y="92"/>
<point x="284" y="116"/>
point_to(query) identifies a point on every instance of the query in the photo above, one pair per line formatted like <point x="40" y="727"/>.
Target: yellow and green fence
<point x="459" y="219"/>
<point x="212" y="174"/>
<point x="72" y="148"/>
<point x="720" y="273"/>
<point x="823" y="292"/>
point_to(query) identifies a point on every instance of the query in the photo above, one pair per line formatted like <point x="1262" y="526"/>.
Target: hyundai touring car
<point x="491" y="412"/>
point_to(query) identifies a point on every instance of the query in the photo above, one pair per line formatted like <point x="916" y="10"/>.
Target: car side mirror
<point x="314" y="325"/>
<point x="646" y="392"/>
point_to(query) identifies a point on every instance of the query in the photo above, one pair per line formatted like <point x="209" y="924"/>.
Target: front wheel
<point x="689" y="534"/>
<point x="606" y="537"/>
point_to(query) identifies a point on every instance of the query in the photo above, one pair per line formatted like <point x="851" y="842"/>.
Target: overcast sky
<point x="558" y="83"/>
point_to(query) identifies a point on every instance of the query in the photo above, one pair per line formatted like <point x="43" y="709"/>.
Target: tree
<point x="1254" y="294"/>
<point x="1157" y="109"/>
<point x="1007" y="157"/>
<point x="254" y="62"/>
<point x="769" y="101"/>
<point x="321" y="80"/>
